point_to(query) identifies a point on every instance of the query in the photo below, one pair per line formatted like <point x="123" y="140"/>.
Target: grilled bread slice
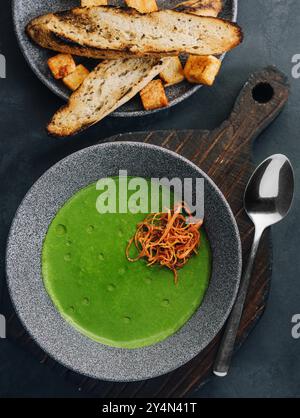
<point x="112" y="32"/>
<point x="201" y="7"/>
<point x="111" y="84"/>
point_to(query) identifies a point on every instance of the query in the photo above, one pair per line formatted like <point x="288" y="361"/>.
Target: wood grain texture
<point x="225" y="155"/>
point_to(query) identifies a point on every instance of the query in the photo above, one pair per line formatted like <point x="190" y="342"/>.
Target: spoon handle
<point x="222" y="362"/>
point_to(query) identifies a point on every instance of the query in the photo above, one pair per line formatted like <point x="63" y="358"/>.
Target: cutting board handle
<point x="261" y="99"/>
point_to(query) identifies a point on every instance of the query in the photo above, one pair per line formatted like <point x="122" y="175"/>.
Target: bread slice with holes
<point x="111" y="84"/>
<point x="112" y="32"/>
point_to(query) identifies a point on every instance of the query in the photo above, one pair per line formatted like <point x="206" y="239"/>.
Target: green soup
<point x="101" y="293"/>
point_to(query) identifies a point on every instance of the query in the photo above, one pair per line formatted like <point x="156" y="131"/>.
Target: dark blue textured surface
<point x="268" y="363"/>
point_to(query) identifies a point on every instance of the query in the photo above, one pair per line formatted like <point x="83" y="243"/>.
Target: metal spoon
<point x="267" y="200"/>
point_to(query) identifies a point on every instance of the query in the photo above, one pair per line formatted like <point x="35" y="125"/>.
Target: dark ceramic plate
<point x="25" y="10"/>
<point x="35" y="309"/>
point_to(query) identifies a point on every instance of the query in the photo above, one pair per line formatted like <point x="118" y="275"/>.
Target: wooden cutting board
<point x="225" y="155"/>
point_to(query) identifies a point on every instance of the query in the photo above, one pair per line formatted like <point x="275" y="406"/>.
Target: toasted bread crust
<point x="201" y="7"/>
<point x="111" y="32"/>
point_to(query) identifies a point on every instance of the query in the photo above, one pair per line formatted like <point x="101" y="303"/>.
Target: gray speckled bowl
<point x="25" y="10"/>
<point x="33" y="305"/>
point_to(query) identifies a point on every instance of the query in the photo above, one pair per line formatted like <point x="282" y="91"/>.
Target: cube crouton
<point x="143" y="6"/>
<point x="172" y="72"/>
<point x="154" y="96"/>
<point x="202" y="69"/>
<point x="91" y="3"/>
<point x="75" y="79"/>
<point x="61" y="65"/>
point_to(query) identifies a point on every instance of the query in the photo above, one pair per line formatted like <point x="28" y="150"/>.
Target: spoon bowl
<point x="269" y="192"/>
